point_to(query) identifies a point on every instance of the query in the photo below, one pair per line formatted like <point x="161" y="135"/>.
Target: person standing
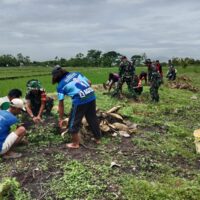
<point x="149" y="65"/>
<point x="159" y="69"/>
<point x="155" y="82"/>
<point x="126" y="74"/>
<point x="77" y="86"/>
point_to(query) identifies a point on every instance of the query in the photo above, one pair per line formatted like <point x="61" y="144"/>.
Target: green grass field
<point x="158" y="162"/>
<point x="22" y="75"/>
<point x="18" y="76"/>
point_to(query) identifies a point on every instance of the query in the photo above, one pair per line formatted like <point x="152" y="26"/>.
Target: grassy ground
<point x="158" y="162"/>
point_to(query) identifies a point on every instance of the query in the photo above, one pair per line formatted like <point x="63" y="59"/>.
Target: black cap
<point x="147" y="61"/>
<point x="56" y="70"/>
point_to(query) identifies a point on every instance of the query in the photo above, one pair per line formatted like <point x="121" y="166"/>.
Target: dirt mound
<point x="183" y="82"/>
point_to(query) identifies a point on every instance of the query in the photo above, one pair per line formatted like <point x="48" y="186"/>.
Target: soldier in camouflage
<point x="149" y="65"/>
<point x="171" y="74"/>
<point x="126" y="73"/>
<point x="155" y="82"/>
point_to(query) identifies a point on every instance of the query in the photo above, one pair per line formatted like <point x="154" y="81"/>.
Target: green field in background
<point x="96" y="75"/>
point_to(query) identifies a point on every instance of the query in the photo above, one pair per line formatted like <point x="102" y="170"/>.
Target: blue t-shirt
<point x="7" y="119"/>
<point x="76" y="86"/>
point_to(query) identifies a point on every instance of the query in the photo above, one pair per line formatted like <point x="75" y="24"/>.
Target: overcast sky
<point x="43" y="29"/>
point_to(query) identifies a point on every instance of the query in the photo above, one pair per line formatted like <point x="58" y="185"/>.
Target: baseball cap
<point x="147" y="61"/>
<point x="17" y="103"/>
<point x="56" y="70"/>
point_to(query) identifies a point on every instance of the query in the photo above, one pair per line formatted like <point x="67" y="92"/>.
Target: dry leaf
<point x="117" y="116"/>
<point x="114" y="164"/>
<point x="105" y="128"/>
<point x="120" y="126"/>
<point x="124" y="134"/>
<point x="114" y="109"/>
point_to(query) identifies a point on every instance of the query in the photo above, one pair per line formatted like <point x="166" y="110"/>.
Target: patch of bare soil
<point x="35" y="178"/>
<point x="40" y="164"/>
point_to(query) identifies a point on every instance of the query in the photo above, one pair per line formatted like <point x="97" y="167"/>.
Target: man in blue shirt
<point x="77" y="86"/>
<point x="7" y="120"/>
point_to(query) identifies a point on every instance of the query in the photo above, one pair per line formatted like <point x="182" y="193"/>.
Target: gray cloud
<point x="44" y="29"/>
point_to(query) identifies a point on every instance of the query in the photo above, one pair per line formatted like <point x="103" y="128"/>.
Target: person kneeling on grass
<point x="77" y="86"/>
<point x="137" y="85"/>
<point x="7" y="119"/>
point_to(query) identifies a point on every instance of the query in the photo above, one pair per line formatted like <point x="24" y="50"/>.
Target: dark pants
<point x="154" y="93"/>
<point x="149" y="76"/>
<point x="139" y="90"/>
<point x="78" y="112"/>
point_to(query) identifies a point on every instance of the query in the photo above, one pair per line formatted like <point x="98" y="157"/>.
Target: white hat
<point x="17" y="103"/>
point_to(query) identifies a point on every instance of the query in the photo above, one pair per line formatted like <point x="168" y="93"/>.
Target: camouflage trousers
<point x="154" y="93"/>
<point x="49" y="105"/>
<point x="129" y="82"/>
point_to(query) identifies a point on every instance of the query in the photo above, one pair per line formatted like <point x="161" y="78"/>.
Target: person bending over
<point x="77" y="86"/>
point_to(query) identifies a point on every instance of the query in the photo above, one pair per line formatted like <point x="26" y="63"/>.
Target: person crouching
<point x="9" y="138"/>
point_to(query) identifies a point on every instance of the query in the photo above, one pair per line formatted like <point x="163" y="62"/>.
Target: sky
<point x="44" y="29"/>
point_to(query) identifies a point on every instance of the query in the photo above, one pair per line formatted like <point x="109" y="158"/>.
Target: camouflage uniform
<point x="171" y="75"/>
<point x="155" y="83"/>
<point x="126" y="73"/>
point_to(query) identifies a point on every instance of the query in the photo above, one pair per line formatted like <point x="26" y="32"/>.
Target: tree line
<point x="93" y="58"/>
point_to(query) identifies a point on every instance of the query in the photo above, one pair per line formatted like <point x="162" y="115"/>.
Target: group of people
<point x="153" y="77"/>
<point x="126" y="74"/>
<point x="78" y="87"/>
<point x="37" y="103"/>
